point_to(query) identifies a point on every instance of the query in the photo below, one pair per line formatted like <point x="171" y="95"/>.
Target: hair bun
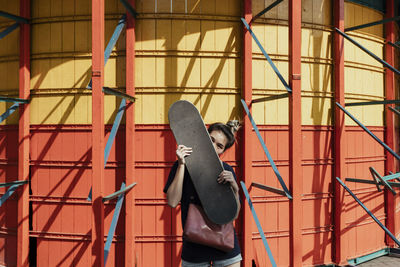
<point x="234" y="125"/>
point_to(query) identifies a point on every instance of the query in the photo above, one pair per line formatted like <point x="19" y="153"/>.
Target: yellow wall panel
<point x="145" y="6"/>
<point x="192" y="37"/>
<point x="10" y="75"/>
<point x="191" y="76"/>
<point x="258" y="78"/>
<point x="163" y="34"/>
<point x="207" y="36"/>
<point x="68" y="39"/>
<point x="316" y="110"/>
<point x="83" y="40"/>
<point x="178" y="6"/>
<point x="110" y="74"/>
<point x="83" y="68"/>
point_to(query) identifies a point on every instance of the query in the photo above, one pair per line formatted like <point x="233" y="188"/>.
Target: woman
<point x="180" y="188"/>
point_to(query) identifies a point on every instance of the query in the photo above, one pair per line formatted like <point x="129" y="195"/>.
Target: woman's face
<point x="219" y="141"/>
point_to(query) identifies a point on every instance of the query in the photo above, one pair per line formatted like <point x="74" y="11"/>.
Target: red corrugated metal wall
<point x="8" y="211"/>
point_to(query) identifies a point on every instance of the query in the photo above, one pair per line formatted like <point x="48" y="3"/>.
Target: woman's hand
<point x="182" y="152"/>
<point x="227" y="177"/>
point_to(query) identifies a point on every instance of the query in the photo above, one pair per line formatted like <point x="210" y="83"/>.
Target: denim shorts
<point x="220" y="263"/>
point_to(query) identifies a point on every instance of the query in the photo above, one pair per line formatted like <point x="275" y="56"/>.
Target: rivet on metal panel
<point x="96" y="73"/>
<point x="296" y="76"/>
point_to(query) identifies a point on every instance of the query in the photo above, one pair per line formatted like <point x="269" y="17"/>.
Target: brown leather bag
<point x="199" y="229"/>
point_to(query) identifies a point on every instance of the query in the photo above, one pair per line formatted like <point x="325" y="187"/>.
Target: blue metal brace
<point x="271" y="161"/>
<point x="111" y="138"/>
<point x="112" y="42"/>
<point x="387" y="65"/>
<point x="117" y="93"/>
<point x="119" y="192"/>
<point x="369" y="212"/>
<point x="113" y="225"/>
<point x="267" y="57"/>
<point x="8" y="30"/>
<point x="395" y="111"/>
<point x="10" y="191"/>
<point x="260" y="230"/>
<point x="130" y="9"/>
<point x="269" y="98"/>
<point x="366" y="25"/>
<point x="13" y="100"/>
<point x="268" y="8"/>
<point x="383" y="102"/>
<point x="8" y="112"/>
<point x="369" y="132"/>
<point x="394" y="45"/>
<point x="380" y="180"/>
<point x="13" y="17"/>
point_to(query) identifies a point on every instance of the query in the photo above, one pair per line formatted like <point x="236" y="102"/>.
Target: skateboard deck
<point x="204" y="166"/>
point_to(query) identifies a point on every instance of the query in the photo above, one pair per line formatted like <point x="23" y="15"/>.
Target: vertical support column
<point x="247" y="242"/>
<point x="130" y="139"/>
<point x="389" y="133"/>
<point x="339" y="249"/>
<point x="295" y="137"/>
<point x="97" y="240"/>
<point x="23" y="138"/>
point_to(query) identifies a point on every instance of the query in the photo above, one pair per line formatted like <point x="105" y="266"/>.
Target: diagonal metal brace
<point x="268" y="8"/>
<point x="113" y="225"/>
<point x="387" y="65"/>
<point x="395" y="111"/>
<point x="366" y="25"/>
<point x="383" y="102"/>
<point x="8" y="30"/>
<point x="369" y="132"/>
<point x="13" y="183"/>
<point x="394" y="45"/>
<point x="110" y="91"/>
<point x="13" y="17"/>
<point x="128" y="7"/>
<point x="269" y="189"/>
<point x="13" y="100"/>
<point x="269" y="98"/>
<point x="285" y="84"/>
<point x="10" y="191"/>
<point x="355" y="180"/>
<point x="258" y="224"/>
<point x="8" y="112"/>
<point x="111" y="138"/>
<point x="112" y="42"/>
<point x="119" y="192"/>
<point x="369" y="212"/>
<point x="271" y="161"/>
<point x="380" y="180"/>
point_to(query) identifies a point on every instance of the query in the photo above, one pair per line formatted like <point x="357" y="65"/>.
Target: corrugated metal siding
<point x="8" y="211"/>
<point x="362" y="233"/>
<point x="188" y="55"/>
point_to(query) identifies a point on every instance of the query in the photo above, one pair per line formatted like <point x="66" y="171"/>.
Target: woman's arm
<point x="174" y="193"/>
<point x="227" y="177"/>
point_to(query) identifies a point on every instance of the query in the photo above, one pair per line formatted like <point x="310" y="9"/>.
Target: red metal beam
<point x="97" y="240"/>
<point x="389" y="133"/>
<point x="23" y="138"/>
<point x="130" y="140"/>
<point x="339" y="244"/>
<point x="247" y="242"/>
<point x="295" y="143"/>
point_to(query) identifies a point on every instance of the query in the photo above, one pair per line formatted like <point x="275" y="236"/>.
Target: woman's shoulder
<point x="227" y="166"/>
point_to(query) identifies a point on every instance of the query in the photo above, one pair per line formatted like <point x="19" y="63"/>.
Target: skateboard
<point x="204" y="166"/>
